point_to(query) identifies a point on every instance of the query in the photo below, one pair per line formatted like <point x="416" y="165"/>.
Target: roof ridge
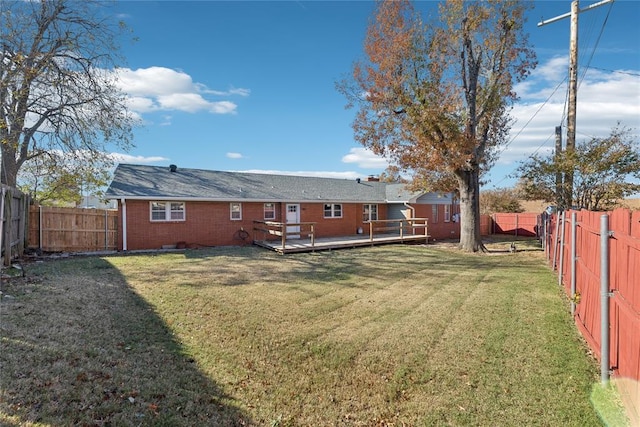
<point x="151" y="182"/>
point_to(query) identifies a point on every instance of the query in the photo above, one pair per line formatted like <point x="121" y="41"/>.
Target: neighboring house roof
<point x="94" y="202"/>
<point x="160" y="183"/>
<point x="399" y="193"/>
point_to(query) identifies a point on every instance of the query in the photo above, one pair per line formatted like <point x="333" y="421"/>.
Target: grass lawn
<point x="384" y="336"/>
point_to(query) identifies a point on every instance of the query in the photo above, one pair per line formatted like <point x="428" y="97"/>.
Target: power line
<point x="525" y="126"/>
<point x="595" y="47"/>
<point x="582" y="77"/>
<point x="508" y="175"/>
<point x="586" y="68"/>
<point x="532" y="117"/>
<point x="616" y="71"/>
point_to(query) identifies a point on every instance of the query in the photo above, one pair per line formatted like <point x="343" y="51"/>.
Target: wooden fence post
<point x="24" y="224"/>
<point x="106" y="231"/>
<point x="555" y="241"/>
<point x="561" y="218"/>
<point x="8" y="226"/>
<point x="604" y="299"/>
<point x="574" y="260"/>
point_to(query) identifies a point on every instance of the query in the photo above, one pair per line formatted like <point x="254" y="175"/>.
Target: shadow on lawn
<point x="79" y="347"/>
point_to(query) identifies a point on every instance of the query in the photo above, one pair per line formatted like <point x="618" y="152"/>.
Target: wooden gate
<point x="13" y="223"/>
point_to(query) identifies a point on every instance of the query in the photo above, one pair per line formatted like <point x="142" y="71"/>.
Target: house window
<point x="269" y="211"/>
<point x="434" y="213"/>
<point x="167" y="211"/>
<point x="447" y="213"/>
<point x="332" y="211"/>
<point x="236" y="211"/>
<point x="369" y="212"/>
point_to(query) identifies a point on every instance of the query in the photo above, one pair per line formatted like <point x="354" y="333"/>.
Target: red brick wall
<point x="206" y="224"/>
<point x="439" y="229"/>
<point x="209" y="223"/>
<point x="330" y="227"/>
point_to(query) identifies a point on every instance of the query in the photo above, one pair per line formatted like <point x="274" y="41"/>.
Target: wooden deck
<point x="330" y="243"/>
<point x="287" y="238"/>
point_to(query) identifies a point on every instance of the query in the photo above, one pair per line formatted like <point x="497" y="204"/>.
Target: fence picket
<point x="13" y="216"/>
<point x="54" y="229"/>
<point x="624" y="285"/>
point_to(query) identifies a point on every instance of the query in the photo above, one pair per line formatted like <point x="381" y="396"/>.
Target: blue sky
<point x="250" y="86"/>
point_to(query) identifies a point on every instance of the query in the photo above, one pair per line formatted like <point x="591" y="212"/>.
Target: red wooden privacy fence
<point x="624" y="281"/>
<point x="518" y="224"/>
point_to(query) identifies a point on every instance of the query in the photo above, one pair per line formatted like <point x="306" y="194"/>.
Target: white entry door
<point x="293" y="217"/>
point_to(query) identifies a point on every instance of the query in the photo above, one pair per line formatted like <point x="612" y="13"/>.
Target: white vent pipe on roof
<point x="124" y="223"/>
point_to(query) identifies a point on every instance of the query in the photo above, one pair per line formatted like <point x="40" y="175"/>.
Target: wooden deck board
<point x="323" y="244"/>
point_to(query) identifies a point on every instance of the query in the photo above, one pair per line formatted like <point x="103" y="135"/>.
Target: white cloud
<point x="159" y="88"/>
<point x="154" y="81"/>
<point x="127" y="158"/>
<point x="365" y="158"/>
<point x="166" y="121"/>
<point x="222" y="107"/>
<point x="554" y="70"/>
<point x="234" y="156"/>
<point x="603" y="100"/>
<point x="193" y="102"/>
<point x="232" y="91"/>
<point x="140" y="104"/>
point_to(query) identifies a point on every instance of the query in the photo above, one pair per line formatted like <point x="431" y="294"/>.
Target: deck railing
<point x="271" y="230"/>
<point x="284" y="230"/>
<point x="400" y="226"/>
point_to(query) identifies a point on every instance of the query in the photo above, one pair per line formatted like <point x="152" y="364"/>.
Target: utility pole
<point x="573" y="102"/>
<point x="559" y="187"/>
<point x="573" y="92"/>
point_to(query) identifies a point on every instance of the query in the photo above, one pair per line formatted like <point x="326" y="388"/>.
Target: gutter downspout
<point x="413" y="210"/>
<point x="124" y="223"/>
<point x="413" y="215"/>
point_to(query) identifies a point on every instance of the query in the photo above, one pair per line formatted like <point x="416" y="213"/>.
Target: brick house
<point x="160" y="206"/>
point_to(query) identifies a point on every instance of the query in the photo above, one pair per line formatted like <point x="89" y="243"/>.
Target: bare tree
<point x="57" y="82"/>
<point x="435" y="99"/>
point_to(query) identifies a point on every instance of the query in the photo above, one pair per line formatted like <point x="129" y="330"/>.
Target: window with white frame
<point x="235" y="211"/>
<point x="167" y="211"/>
<point x="332" y="210"/>
<point x="269" y="211"/>
<point x="434" y="214"/>
<point x="447" y="213"/>
<point x="369" y="212"/>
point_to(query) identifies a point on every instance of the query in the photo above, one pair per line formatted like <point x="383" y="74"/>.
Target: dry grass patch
<point x="370" y="336"/>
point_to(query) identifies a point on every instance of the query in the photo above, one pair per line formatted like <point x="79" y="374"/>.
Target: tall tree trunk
<point x="469" y="187"/>
<point x="9" y="166"/>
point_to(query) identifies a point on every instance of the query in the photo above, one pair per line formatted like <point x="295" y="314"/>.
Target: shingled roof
<point x="144" y="182"/>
